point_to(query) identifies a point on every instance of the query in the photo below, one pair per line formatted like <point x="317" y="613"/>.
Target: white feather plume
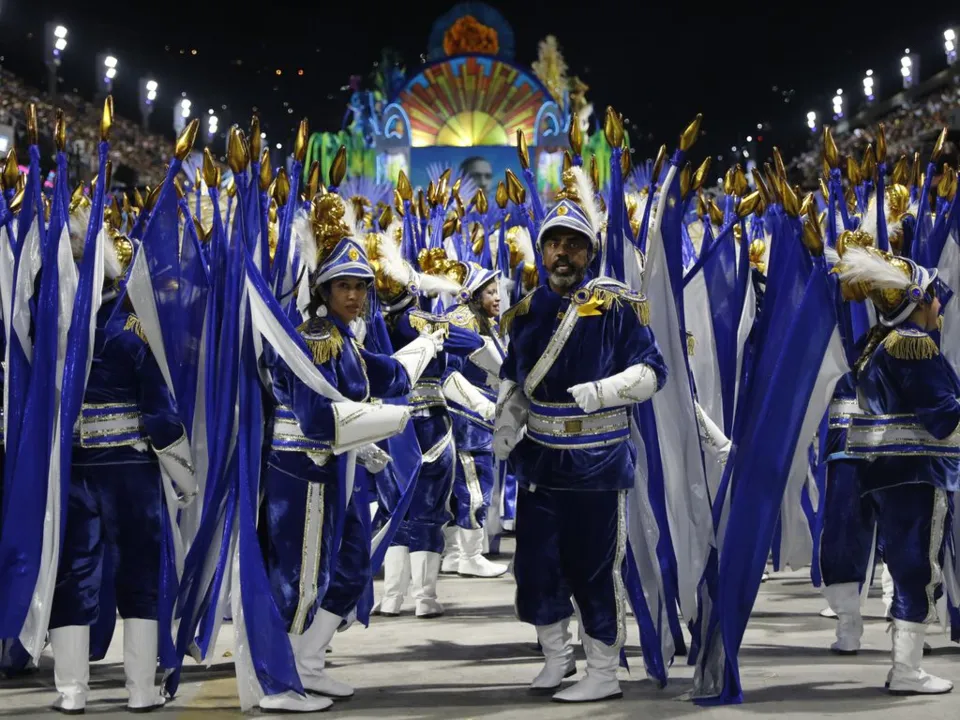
<point x="588" y="200"/>
<point x="869" y="222"/>
<point x="391" y="258"/>
<point x="832" y="256"/>
<point x="433" y="285"/>
<point x="305" y="239"/>
<point x="860" y="265"/>
<point x="112" y="268"/>
<point x="525" y="245"/>
<point x="79" y="221"/>
<point x="351" y="221"/>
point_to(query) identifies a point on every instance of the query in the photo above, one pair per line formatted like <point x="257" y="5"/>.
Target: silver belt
<point x="289" y="437"/>
<point x="426" y="395"/>
<point x="564" y="426"/>
<point x="106" y="425"/>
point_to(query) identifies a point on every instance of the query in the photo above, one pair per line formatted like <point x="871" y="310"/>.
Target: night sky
<point x="738" y="64"/>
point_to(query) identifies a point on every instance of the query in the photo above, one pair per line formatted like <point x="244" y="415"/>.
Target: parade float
<point x="463" y="109"/>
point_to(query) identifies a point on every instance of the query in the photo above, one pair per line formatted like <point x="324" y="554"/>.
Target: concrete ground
<point x="477" y="660"/>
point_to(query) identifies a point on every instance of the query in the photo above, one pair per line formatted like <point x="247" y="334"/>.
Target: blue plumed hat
<point x="477" y="277"/>
<point x="576" y="209"/>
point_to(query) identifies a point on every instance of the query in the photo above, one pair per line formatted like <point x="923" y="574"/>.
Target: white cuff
<point x="415" y="356"/>
<point x="487" y="358"/>
<point x="710" y="433"/>
<point x="176" y="463"/>
<point x="356" y="424"/>
<point x="457" y="389"/>
<point x="636" y="384"/>
<point x="512" y="410"/>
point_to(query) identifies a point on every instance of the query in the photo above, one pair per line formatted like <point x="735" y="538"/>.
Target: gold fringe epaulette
<point x="133" y="325"/>
<point x="691" y="344"/>
<point x="518" y="310"/>
<point x="463" y="317"/>
<point x="603" y="296"/>
<point x="323" y="338"/>
<point x="909" y="344"/>
<point x="424" y="322"/>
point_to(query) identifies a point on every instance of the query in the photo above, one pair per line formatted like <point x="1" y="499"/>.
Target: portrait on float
<point x="481" y="166"/>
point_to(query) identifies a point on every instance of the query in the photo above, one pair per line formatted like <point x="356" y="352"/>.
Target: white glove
<point x="437" y="336"/>
<point x="712" y="436"/>
<point x="416" y="355"/>
<point x="636" y="384"/>
<point x="176" y="462"/>
<point x="373" y="458"/>
<point x="459" y="390"/>
<point x="512" y="410"/>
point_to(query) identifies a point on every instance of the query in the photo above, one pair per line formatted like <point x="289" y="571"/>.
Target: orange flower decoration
<point x="468" y="35"/>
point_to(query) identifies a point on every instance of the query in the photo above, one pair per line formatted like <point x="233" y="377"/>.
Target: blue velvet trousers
<point x="116" y="509"/>
<point x="422" y="528"/>
<point x="572" y="543"/>
<point x="472" y="488"/>
<point x="913" y="521"/>
<point x="848" y="522"/>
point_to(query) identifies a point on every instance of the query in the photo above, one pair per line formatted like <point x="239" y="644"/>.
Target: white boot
<point x="907" y="678"/>
<point x="289" y="701"/>
<point x="600" y="682"/>
<point x="886" y="582"/>
<point x="424" y="572"/>
<point x="472" y="561"/>
<point x="844" y="600"/>
<point x="451" y="550"/>
<point x="310" y="651"/>
<point x="140" y="664"/>
<point x="396" y="580"/>
<point x="558" y="655"/>
<point x="71" y="667"/>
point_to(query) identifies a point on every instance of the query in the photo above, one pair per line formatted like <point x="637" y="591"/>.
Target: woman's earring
<point x="322" y="311"/>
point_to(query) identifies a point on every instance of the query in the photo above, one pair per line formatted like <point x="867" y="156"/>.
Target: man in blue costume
<point x="910" y="434"/>
<point x="579" y="356"/>
<point x="128" y="436"/>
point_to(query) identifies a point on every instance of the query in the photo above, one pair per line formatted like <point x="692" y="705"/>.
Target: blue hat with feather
<point x="576" y="210"/>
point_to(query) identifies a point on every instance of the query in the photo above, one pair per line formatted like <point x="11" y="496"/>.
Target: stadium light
<point x="838" y="104"/>
<point x="868" y="86"/>
<point x="106" y="71"/>
<point x="55" y="41"/>
<point x="812" y="121"/>
<point x="950" y="45"/>
<point x="148" y="96"/>
<point x="180" y="114"/>
<point x="909" y="69"/>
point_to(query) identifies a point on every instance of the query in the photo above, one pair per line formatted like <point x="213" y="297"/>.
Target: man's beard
<point x="565" y="281"/>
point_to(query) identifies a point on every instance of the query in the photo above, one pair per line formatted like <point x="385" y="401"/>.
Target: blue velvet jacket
<point x="604" y="342"/>
<point x="357" y="374"/>
<point x="124" y="372"/>
<point x="471" y="433"/>
<point x="431" y="420"/>
<point x="908" y="376"/>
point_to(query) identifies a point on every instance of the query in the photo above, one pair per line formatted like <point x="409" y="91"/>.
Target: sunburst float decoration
<point x="471" y="101"/>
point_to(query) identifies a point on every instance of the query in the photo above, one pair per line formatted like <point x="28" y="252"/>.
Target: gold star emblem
<point x="353" y="254"/>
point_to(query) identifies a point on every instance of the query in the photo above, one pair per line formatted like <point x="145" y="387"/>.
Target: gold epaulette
<point x="323" y="338"/>
<point x="133" y="325"/>
<point x="910" y="344"/>
<point x="424" y="322"/>
<point x="691" y="344"/>
<point x="463" y="317"/>
<point x="518" y="310"/>
<point x="602" y="295"/>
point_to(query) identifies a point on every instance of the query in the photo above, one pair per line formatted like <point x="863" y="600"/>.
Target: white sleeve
<point x="488" y="357"/>
<point x="636" y="384"/>
<point x="357" y="424"/>
<point x="415" y="356"/>
<point x="459" y="390"/>
<point x="176" y="462"/>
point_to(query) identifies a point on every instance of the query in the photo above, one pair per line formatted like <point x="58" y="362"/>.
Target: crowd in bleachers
<point x="137" y="156"/>
<point x="907" y="128"/>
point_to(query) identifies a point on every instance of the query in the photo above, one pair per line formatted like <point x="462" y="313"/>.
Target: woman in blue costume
<point x="412" y="563"/>
<point x="910" y="434"/>
<point x="316" y="548"/>
<point x="128" y="436"/>
<point x="470" y="386"/>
